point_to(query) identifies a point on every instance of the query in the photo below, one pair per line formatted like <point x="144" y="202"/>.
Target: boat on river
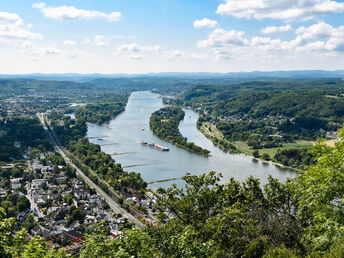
<point x="156" y="146"/>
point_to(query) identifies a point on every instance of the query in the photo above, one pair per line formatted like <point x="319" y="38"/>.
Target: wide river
<point x="120" y="139"/>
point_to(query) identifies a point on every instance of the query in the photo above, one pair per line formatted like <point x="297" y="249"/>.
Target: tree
<point x="255" y="154"/>
<point x="266" y="156"/>
<point x="23" y="203"/>
<point x="320" y="191"/>
<point x="29" y="223"/>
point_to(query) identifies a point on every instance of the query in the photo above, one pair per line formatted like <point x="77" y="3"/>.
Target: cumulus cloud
<point x="322" y="36"/>
<point x="279" y="9"/>
<point x="134" y="47"/>
<point x="274" y="29"/>
<point x="205" y="23"/>
<point x="317" y="37"/>
<point x="100" y="41"/>
<point x="220" y="37"/>
<point x="12" y="27"/>
<point x="71" y="13"/>
<point x="69" y="43"/>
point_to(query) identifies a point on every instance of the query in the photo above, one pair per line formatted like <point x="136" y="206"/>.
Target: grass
<point x="272" y="151"/>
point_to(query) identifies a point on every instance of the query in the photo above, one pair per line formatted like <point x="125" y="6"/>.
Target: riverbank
<point x="214" y="133"/>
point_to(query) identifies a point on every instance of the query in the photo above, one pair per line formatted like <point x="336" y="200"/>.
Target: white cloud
<point x="71" y="13"/>
<point x="100" y="41"/>
<point x="323" y="34"/>
<point x="134" y="47"/>
<point x="69" y="43"/>
<point x="205" y="23"/>
<point x="12" y="27"/>
<point x="136" y="57"/>
<point x="279" y="9"/>
<point x="220" y="37"/>
<point x="274" y="29"/>
<point x="318" y="37"/>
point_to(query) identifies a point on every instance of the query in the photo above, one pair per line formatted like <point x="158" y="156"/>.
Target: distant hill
<point x="297" y="74"/>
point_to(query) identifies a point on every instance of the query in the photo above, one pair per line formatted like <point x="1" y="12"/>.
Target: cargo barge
<point x="156" y="146"/>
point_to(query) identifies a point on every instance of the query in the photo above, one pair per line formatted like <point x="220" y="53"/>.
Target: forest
<point x="26" y="132"/>
<point x="164" y="123"/>
<point x="100" y="113"/>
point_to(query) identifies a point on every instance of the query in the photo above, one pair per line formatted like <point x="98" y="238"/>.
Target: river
<point x="120" y="139"/>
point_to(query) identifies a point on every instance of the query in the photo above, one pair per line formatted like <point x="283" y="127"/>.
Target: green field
<point x="272" y="151"/>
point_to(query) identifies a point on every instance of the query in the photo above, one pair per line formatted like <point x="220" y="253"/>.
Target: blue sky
<point x="136" y="36"/>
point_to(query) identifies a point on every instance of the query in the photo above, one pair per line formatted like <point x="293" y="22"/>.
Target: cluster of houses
<point x="52" y="194"/>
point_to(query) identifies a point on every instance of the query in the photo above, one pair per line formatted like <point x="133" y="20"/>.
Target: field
<point x="272" y="151"/>
<point x="211" y="130"/>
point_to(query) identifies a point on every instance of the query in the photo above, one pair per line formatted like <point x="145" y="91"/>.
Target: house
<point x="81" y="194"/>
<point x="115" y="234"/>
<point x="94" y="198"/>
<point x="3" y="193"/>
<point x="78" y="184"/>
<point x="132" y="199"/>
<point x="61" y="179"/>
<point x="331" y="134"/>
<point x="74" y="235"/>
<point x="8" y="167"/>
<point x="37" y="183"/>
<point x="36" y="167"/>
<point x="41" y="231"/>
<point x="16" y="183"/>
<point x="46" y="169"/>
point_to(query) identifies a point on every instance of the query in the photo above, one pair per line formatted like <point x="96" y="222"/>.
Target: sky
<point x="144" y="36"/>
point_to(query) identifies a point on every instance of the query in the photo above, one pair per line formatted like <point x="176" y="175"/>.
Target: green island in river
<point x="164" y="123"/>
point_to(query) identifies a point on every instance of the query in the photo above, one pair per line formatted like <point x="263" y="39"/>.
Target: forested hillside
<point x="261" y="118"/>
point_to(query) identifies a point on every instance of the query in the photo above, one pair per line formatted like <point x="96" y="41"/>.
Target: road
<point x="33" y="204"/>
<point x="113" y="205"/>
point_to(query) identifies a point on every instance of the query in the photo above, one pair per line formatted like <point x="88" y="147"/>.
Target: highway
<point x="113" y="205"/>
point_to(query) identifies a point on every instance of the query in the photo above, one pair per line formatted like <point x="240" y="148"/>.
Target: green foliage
<point x="295" y="157"/>
<point x="28" y="132"/>
<point x="164" y="124"/>
<point x="320" y="193"/>
<point x="102" y="112"/>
